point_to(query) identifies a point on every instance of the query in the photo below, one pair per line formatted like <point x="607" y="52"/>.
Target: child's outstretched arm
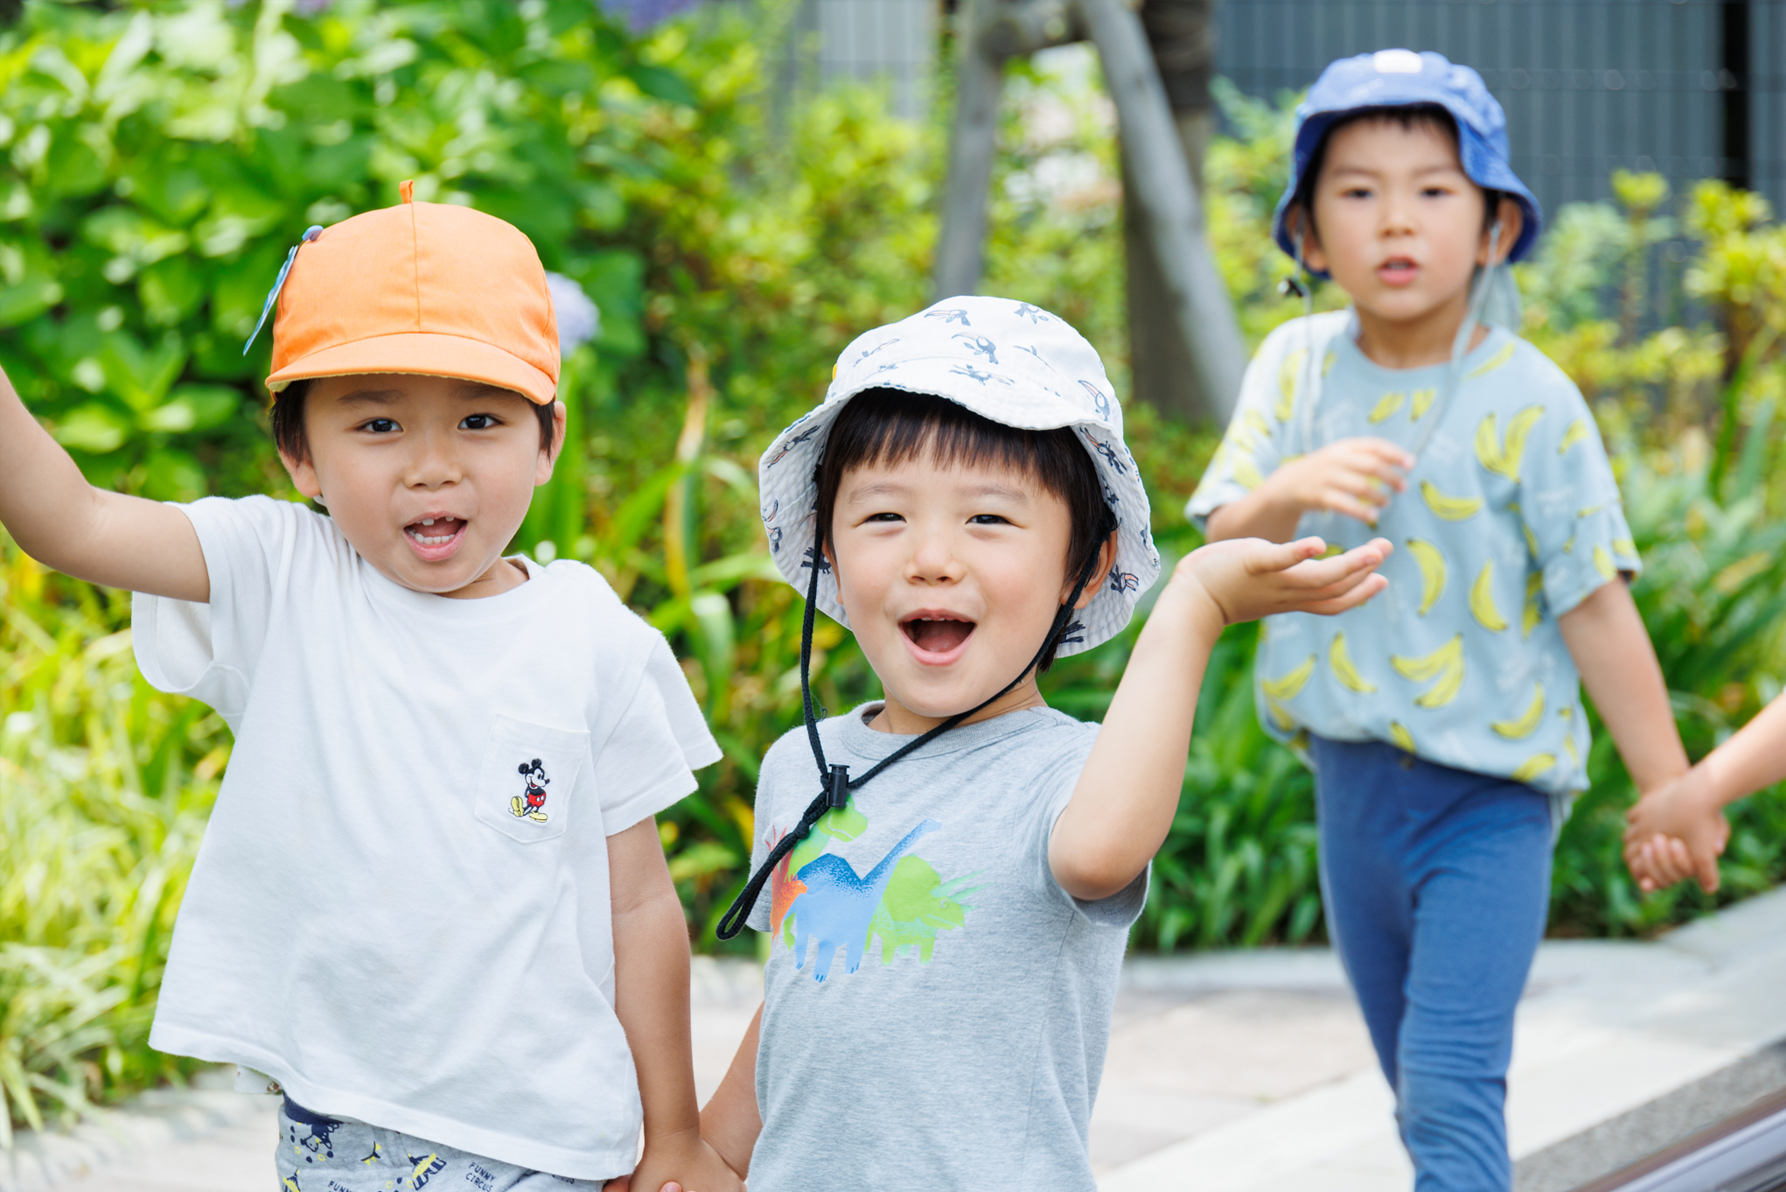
<point x="1679" y="830"/>
<point x="1128" y="792"/>
<point x="651" y="1002"/>
<point x="63" y="522"/>
<point x="1612" y="650"/>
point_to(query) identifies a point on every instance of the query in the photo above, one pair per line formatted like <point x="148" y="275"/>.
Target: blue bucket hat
<point x="1402" y="78"/>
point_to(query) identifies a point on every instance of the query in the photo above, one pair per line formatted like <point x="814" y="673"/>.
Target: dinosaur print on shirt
<point x="820" y="903"/>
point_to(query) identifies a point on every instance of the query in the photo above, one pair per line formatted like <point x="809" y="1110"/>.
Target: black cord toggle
<point x="837" y="795"/>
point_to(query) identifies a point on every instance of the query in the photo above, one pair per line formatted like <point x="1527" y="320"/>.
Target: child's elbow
<point x="1096" y="876"/>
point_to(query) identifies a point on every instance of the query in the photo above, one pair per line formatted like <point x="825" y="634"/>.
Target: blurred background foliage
<point x="161" y="159"/>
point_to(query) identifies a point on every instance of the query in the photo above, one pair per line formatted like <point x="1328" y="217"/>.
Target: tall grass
<point x="105" y="786"/>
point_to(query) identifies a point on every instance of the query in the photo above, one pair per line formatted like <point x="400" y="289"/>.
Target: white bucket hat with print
<point x="1009" y="362"/>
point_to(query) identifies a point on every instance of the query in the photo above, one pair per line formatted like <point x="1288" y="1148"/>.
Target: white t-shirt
<point x="400" y="910"/>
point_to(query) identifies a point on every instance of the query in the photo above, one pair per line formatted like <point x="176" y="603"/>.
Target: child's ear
<point x="1512" y="218"/>
<point x="542" y="471"/>
<point x="1298" y="223"/>
<point x="1106" y="560"/>
<point x="303" y="476"/>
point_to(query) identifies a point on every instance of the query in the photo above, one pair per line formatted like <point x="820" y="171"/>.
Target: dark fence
<point x="1691" y="88"/>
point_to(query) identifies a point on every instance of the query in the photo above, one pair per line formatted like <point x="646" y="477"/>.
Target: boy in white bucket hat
<point x="950" y="890"/>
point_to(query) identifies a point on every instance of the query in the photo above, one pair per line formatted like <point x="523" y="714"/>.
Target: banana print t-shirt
<point x="1510" y="519"/>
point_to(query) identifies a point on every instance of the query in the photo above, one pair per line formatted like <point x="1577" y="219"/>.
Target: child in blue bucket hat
<point x="947" y="874"/>
<point x="1443" y="720"/>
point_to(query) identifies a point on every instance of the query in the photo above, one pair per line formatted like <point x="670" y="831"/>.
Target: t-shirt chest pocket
<point x="524" y="786"/>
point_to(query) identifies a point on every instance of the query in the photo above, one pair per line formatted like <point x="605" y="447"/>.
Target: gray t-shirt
<point x="936" y="1007"/>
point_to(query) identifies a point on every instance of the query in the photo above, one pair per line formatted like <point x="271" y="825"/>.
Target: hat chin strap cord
<point x="835" y="780"/>
<point x="1460" y="344"/>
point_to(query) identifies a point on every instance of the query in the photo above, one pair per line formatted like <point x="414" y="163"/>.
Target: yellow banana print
<point x="1343" y="669"/>
<point x="1279" y="717"/>
<point x="1246" y="472"/>
<point x="1527" y="724"/>
<point x="1404" y="740"/>
<point x="1446" y="664"/>
<point x="1534" y="766"/>
<point x="1534" y="612"/>
<point x="1423" y="401"/>
<point x="1603" y="563"/>
<point x="1531" y="538"/>
<point x="1390" y="403"/>
<point x="1257" y="422"/>
<point x="1448" y="507"/>
<point x="1287" y="374"/>
<point x="1482" y="600"/>
<point x="1504" y="458"/>
<point x="1289" y="686"/>
<point x="1328" y="362"/>
<point x="1590" y="510"/>
<point x="1625" y="546"/>
<point x="1578" y="430"/>
<point x="1493" y="362"/>
<point x="1432" y="572"/>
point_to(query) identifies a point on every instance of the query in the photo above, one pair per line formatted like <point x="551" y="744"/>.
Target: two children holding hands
<point x="431" y="908"/>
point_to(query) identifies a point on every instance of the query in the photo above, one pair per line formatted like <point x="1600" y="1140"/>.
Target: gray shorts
<point x="325" y="1154"/>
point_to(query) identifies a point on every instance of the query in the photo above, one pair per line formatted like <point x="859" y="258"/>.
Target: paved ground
<point x="1229" y="1073"/>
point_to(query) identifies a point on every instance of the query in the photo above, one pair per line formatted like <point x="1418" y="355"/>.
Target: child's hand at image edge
<point x="1675" y="832"/>
<point x="1249" y="578"/>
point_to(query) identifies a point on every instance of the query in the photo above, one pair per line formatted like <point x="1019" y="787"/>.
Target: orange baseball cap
<point x="429" y="288"/>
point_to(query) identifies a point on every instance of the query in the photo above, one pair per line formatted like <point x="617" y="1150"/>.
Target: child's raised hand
<point x="1356" y="477"/>
<point x="1676" y="831"/>
<point x="1249" y="578"/>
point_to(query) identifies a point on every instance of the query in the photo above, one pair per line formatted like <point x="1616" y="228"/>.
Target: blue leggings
<point x="1436" y="883"/>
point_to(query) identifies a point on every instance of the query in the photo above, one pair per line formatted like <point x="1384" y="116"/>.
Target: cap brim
<point x="425" y="354"/>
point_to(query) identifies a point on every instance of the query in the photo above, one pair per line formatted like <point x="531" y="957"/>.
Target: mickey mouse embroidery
<point x="531" y="803"/>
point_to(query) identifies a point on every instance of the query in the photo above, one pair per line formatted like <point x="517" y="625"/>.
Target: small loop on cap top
<point x="406" y="188"/>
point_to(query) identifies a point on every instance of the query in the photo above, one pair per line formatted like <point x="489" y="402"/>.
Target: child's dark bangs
<point x="900" y="428"/>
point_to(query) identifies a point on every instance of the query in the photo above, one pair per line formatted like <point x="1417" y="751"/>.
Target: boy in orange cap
<point x="431" y="907"/>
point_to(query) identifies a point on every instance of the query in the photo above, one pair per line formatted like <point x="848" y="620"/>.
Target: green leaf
<point x="94" y="428"/>
<point x="27" y="300"/>
<point x="660" y="82"/>
<point x="142" y="378"/>
<point x="194" y="407"/>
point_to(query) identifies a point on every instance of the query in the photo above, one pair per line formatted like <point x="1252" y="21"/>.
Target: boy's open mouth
<point x="1398" y="270"/>
<point x="937" y="636"/>
<point x="434" y="538"/>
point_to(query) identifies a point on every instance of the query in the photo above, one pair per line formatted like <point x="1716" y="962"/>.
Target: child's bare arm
<point x="731" y="1121"/>
<point x="651" y="1002"/>
<point x="60" y="520"/>
<point x="1356" y="477"/>
<point x="1125" y="798"/>
<point x="1611" y="648"/>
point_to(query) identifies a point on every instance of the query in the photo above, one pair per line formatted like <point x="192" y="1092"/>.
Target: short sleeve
<point x="1270" y="397"/>
<point x="1569" y="502"/>
<point x="1057" y="777"/>
<point x="209" y="651"/>
<point x="774" y="772"/>
<point x="648" y="760"/>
